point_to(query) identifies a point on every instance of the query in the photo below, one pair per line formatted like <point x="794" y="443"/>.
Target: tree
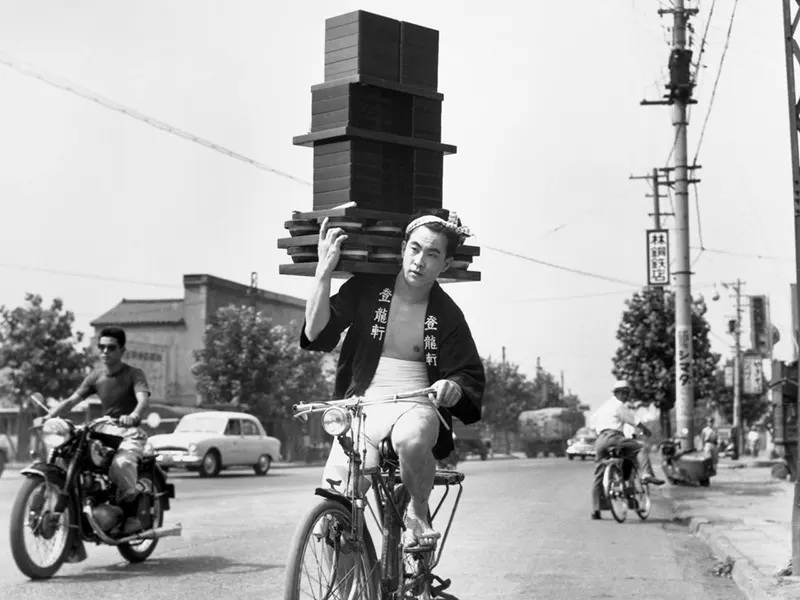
<point x="39" y="350"/>
<point x="38" y="353"/>
<point x="507" y="393"/>
<point x="646" y="354"/>
<point x="246" y="360"/>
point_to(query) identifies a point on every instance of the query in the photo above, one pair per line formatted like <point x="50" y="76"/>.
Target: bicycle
<point x="332" y="555"/>
<point x="623" y="493"/>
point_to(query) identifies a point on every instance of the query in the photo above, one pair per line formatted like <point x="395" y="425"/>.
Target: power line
<point x="65" y="85"/>
<point x="742" y="254"/>
<point x="87" y="275"/>
<point x="563" y="268"/>
<point x="716" y="81"/>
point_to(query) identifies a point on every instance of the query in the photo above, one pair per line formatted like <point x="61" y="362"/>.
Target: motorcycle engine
<point x="107" y="516"/>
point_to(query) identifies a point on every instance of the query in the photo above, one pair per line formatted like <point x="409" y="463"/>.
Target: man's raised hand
<point x="329" y="248"/>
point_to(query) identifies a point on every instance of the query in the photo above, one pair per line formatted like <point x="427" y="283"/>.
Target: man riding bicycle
<point x="609" y="421"/>
<point x="403" y="333"/>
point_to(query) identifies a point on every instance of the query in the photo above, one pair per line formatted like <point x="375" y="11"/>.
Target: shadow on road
<point x="167" y="567"/>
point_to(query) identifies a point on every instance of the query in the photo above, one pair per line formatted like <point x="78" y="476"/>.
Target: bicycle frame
<point x="391" y="499"/>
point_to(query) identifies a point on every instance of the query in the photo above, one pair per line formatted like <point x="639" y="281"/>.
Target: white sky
<point x="541" y="98"/>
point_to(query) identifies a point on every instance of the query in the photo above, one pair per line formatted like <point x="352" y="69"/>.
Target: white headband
<point x="451" y="224"/>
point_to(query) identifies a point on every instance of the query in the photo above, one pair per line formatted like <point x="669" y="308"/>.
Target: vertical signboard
<point x="658" y="257"/>
<point x="759" y="325"/>
<point x="752" y="374"/>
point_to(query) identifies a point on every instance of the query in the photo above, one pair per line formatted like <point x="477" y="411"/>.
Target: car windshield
<point x="204" y="424"/>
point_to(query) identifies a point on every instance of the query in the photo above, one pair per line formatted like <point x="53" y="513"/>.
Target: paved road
<point x="522" y="531"/>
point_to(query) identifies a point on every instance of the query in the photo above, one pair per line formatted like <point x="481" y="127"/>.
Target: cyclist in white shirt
<point x="609" y="421"/>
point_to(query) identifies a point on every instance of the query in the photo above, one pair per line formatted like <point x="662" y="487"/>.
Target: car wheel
<point x="570" y="456"/>
<point x="210" y="467"/>
<point x="263" y="465"/>
<point x="583" y="457"/>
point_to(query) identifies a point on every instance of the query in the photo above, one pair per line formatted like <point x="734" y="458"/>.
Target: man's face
<point x="110" y="351"/>
<point x="624" y="396"/>
<point x="424" y="257"/>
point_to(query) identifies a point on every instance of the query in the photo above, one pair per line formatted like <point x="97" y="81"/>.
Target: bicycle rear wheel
<point x="326" y="561"/>
<point x="642" y="493"/>
<point x="614" y="489"/>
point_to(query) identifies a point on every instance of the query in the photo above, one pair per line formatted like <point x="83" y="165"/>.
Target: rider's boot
<point x="130" y="509"/>
<point x="652" y="479"/>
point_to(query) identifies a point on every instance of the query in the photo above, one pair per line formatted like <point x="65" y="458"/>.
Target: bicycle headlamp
<point x="56" y="432"/>
<point x="336" y="421"/>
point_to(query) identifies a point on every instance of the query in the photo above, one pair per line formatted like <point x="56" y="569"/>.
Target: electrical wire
<point x="741" y="254"/>
<point x="65" y="85"/>
<point x="716" y="81"/>
<point x="562" y="268"/>
<point x="87" y="275"/>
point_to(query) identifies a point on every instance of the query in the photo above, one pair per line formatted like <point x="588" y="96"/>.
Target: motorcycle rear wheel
<point x="614" y="489"/>
<point x="137" y="552"/>
<point x="40" y="539"/>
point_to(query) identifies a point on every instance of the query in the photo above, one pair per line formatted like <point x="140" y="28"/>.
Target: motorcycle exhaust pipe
<point x="148" y="534"/>
<point x="152" y="534"/>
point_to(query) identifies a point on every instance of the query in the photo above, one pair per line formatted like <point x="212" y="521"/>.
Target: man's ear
<point x="447" y="262"/>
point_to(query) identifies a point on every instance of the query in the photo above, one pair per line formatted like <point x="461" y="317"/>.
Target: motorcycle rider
<point x="609" y="421"/>
<point x="124" y="393"/>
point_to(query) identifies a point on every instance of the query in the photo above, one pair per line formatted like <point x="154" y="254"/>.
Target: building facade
<point x="163" y="334"/>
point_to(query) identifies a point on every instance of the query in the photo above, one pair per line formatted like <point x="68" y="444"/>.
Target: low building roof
<point x="143" y="312"/>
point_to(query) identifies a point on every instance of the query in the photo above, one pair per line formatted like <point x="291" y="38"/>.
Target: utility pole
<point x="737" y="366"/>
<point x="679" y="96"/>
<point x="790" y="48"/>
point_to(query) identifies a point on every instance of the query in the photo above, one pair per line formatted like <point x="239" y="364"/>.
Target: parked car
<point x="582" y="443"/>
<point x="209" y="441"/>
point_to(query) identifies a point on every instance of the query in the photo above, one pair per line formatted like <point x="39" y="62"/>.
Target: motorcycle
<point x="69" y="499"/>
<point x="690" y="467"/>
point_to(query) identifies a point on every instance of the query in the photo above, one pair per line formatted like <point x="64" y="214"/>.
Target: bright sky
<point x="541" y="98"/>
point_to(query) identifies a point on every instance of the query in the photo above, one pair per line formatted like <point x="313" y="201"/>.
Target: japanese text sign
<point x="658" y="257"/>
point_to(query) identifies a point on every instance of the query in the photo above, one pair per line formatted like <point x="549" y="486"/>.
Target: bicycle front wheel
<point x="642" y="493"/>
<point x="326" y="559"/>
<point x="614" y="488"/>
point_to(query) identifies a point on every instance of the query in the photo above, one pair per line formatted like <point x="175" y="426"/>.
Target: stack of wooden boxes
<point x="376" y="127"/>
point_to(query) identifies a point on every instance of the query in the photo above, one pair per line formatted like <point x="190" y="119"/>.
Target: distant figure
<point x="710" y="441"/>
<point x="753" y="442"/>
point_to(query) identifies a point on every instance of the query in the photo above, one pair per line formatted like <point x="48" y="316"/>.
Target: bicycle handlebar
<point x="301" y="409"/>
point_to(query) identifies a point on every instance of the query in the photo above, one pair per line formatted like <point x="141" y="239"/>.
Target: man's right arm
<point x="84" y="391"/>
<point x="318" y="308"/>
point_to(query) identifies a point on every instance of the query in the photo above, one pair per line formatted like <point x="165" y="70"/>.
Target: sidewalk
<point x="745" y="518"/>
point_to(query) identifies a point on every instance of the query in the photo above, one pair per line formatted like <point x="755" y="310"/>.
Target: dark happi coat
<point x="363" y="304"/>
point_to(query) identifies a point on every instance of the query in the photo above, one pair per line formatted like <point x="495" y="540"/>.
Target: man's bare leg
<point x="413" y="436"/>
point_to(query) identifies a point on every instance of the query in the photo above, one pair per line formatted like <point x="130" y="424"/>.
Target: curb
<point x="753" y="584"/>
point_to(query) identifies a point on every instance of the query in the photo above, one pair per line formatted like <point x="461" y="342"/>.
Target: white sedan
<point x="209" y="441"/>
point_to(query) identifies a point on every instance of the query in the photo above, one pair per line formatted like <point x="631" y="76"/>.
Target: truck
<point x="547" y="430"/>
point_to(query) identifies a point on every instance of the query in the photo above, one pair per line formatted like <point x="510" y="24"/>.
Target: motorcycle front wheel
<point x="40" y="537"/>
<point x="136" y="552"/>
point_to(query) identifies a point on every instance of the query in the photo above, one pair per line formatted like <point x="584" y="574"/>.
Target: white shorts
<point x="393" y="376"/>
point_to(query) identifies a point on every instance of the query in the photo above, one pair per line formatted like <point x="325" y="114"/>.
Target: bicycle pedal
<point x="419" y="548"/>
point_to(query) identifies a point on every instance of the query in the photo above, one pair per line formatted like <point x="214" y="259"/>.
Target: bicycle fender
<point x="46" y="471"/>
<point x="335" y="496"/>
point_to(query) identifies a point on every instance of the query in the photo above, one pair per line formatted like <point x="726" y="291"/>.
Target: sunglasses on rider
<point x="108" y="347"/>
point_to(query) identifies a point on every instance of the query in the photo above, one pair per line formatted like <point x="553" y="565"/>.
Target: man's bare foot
<point x="419" y="533"/>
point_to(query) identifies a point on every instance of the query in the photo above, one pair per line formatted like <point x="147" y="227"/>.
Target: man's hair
<point x="118" y="333"/>
<point x="454" y="240"/>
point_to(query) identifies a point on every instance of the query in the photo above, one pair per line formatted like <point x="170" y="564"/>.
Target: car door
<point x="251" y="441"/>
<point x="233" y="452"/>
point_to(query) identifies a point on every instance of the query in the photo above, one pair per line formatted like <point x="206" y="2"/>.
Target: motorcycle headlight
<point x="149" y="450"/>
<point x="56" y="432"/>
<point x="336" y="421"/>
